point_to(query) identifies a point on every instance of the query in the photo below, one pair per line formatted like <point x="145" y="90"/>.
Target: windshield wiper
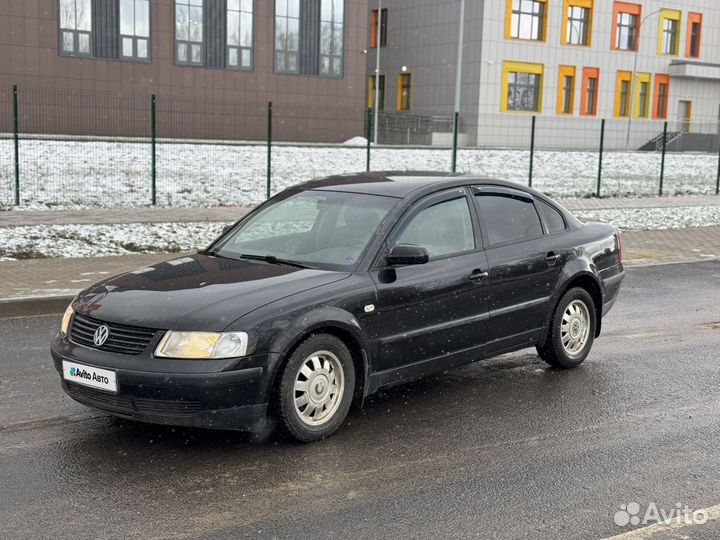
<point x="272" y="259"/>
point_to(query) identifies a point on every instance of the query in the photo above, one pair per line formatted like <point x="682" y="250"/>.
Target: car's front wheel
<point x="572" y="330"/>
<point x="316" y="388"/>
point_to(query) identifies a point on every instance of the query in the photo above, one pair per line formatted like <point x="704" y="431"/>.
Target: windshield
<point x="321" y="229"/>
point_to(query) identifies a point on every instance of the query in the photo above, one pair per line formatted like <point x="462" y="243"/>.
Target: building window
<point x="522" y="87"/>
<point x="331" y="37"/>
<point x="287" y="35"/>
<point x="383" y="28"/>
<point x="239" y="34"/>
<point x="578" y="22"/>
<point x="566" y="90"/>
<point x="622" y="94"/>
<point x="694" y="35"/>
<point x="381" y="93"/>
<point x="404" y="97"/>
<point x="189" y="48"/>
<point x="669" y="38"/>
<point x="135" y="29"/>
<point x="589" y="98"/>
<point x="626" y="29"/>
<point x="525" y="19"/>
<point x="642" y="97"/>
<point x="661" y="92"/>
<point x="75" y="27"/>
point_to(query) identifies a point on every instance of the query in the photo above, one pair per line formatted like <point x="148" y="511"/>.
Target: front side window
<point x="442" y="229"/>
<point x="331" y="37"/>
<point x="75" y="27"/>
<point x="578" y="25"/>
<point x="189" y="47"/>
<point x="404" y="92"/>
<point x="287" y="36"/>
<point x="135" y="29"/>
<point x="527" y="20"/>
<point x="327" y="230"/>
<point x="508" y="219"/>
<point x="239" y="34"/>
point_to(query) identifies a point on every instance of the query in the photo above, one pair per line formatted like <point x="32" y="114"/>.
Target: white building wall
<point x="497" y="128"/>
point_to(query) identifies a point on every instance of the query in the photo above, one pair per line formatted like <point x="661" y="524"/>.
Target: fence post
<point x="269" y="152"/>
<point x="16" y="141"/>
<point x="662" y="161"/>
<point x="456" y="122"/>
<point x="717" y="182"/>
<point x="600" y="160"/>
<point x="153" y="147"/>
<point x="532" y="150"/>
<point x="368" y="134"/>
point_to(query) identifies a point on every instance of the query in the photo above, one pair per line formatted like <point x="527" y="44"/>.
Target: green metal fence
<point x="69" y="148"/>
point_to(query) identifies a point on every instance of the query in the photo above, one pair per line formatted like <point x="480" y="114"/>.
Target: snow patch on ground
<point x="75" y="174"/>
<point x="644" y="219"/>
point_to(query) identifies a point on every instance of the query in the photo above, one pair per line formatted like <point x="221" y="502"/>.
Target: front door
<point x="685" y="115"/>
<point x="524" y="267"/>
<point x="428" y="313"/>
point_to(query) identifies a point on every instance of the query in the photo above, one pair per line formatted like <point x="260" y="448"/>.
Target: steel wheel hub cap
<point x="575" y="327"/>
<point x="319" y="386"/>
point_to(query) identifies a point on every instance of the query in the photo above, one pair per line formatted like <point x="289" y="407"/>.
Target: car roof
<point x="399" y="184"/>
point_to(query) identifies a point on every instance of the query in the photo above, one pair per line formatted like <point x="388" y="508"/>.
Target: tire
<point x="312" y="411"/>
<point x="572" y="330"/>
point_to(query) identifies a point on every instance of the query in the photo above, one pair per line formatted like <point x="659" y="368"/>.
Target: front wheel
<point x="316" y="388"/>
<point x="571" y="332"/>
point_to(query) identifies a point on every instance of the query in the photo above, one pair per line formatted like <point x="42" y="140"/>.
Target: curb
<point x="31" y="306"/>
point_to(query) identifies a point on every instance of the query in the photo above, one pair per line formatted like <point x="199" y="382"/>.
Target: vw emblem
<point x="101" y="335"/>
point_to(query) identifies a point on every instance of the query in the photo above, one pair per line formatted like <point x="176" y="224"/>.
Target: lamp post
<point x="378" y="40"/>
<point x="458" y="71"/>
<point x="634" y="82"/>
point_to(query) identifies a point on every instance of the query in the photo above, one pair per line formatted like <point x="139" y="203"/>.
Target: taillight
<point x="618" y="243"/>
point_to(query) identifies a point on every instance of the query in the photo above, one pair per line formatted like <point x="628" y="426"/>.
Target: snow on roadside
<point x="104" y="240"/>
<point x="42" y="241"/>
<point x="643" y="219"/>
<point x="73" y="174"/>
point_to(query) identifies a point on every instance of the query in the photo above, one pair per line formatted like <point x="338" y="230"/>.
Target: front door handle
<point x="478" y="275"/>
<point x="551" y="258"/>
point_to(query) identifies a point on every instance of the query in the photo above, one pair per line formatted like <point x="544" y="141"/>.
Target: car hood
<point x="198" y="292"/>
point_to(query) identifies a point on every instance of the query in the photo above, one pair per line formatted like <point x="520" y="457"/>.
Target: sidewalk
<point x="53" y="282"/>
<point x="148" y="214"/>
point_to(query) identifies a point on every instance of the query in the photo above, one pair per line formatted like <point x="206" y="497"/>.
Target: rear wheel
<point x="572" y="330"/>
<point x="316" y="388"/>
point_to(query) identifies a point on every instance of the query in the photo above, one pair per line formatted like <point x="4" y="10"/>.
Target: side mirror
<point x="407" y="254"/>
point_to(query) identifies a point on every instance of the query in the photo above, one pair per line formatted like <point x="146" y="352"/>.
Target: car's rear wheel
<point x="316" y="388"/>
<point x="572" y="330"/>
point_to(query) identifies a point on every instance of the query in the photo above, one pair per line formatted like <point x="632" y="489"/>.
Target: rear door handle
<point x="478" y="275"/>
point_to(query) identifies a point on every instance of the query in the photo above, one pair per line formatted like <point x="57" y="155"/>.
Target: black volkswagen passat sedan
<point x="334" y="289"/>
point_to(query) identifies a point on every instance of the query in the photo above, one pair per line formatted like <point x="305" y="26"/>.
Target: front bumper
<point x="232" y="399"/>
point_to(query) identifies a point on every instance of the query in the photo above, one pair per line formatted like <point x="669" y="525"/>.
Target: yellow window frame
<point x="622" y="76"/>
<point x="398" y="104"/>
<point x="639" y="79"/>
<point x="566" y="71"/>
<point x="521" y="67"/>
<point x="669" y="15"/>
<point x="567" y="4"/>
<point x="508" y="21"/>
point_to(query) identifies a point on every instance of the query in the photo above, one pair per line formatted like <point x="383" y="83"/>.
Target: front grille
<point x="130" y="405"/>
<point x="122" y="339"/>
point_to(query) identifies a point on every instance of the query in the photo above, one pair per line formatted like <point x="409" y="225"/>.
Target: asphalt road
<point x="503" y="449"/>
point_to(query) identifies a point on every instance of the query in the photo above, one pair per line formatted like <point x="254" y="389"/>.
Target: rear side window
<point x="508" y="219"/>
<point x="552" y="218"/>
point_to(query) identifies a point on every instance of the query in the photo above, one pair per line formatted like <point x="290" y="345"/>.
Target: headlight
<point x="65" y="325"/>
<point x="202" y="345"/>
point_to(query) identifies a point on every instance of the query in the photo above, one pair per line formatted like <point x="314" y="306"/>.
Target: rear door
<point x="430" y="312"/>
<point x="524" y="266"/>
